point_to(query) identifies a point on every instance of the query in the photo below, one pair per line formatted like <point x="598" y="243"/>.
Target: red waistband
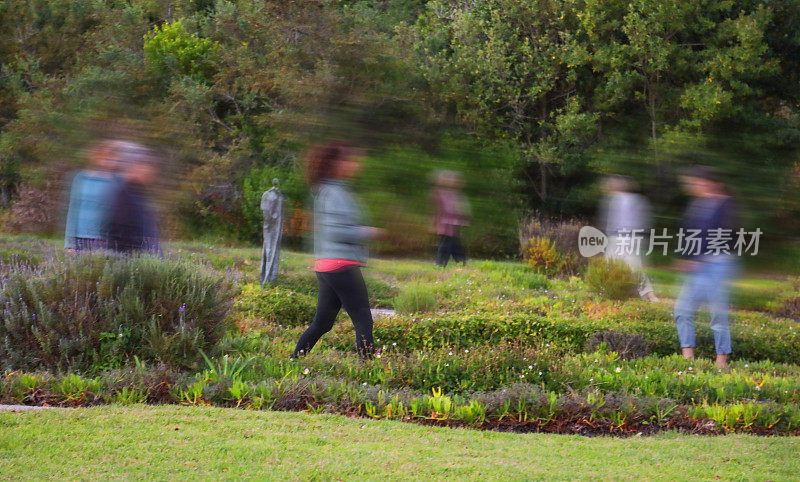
<point x="329" y="265"/>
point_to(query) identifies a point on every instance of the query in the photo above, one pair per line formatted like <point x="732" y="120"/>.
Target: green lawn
<point x="169" y="442"/>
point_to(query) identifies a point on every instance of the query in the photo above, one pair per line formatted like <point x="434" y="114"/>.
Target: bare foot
<point x="688" y="353"/>
<point x="722" y="361"/>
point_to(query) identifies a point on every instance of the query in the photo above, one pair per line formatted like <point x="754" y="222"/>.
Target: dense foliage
<point x="532" y="99"/>
<point x="610" y="278"/>
<point x="93" y="312"/>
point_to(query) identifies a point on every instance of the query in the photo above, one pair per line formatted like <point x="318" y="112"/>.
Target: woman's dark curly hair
<point x="321" y="160"/>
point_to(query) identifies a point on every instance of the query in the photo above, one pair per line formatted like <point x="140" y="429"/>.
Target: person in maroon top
<point x="451" y="213"/>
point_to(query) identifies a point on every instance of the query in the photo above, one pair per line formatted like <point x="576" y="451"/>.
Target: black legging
<point x="450" y="246"/>
<point x="341" y="288"/>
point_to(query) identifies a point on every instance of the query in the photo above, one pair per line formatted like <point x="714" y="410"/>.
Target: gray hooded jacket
<point x="339" y="232"/>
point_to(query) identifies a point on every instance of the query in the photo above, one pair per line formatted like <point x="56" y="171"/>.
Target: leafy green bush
<point x="170" y="49"/>
<point x="277" y="305"/>
<point x="415" y="298"/>
<point x="610" y="278"/>
<point x="465" y="330"/>
<point x="89" y="312"/>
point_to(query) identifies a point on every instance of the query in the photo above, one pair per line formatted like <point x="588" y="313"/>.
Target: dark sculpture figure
<point x="272" y="208"/>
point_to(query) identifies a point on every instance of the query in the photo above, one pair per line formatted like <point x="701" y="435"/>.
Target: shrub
<point x="627" y="346"/>
<point x="610" y="278"/>
<point x="543" y="255"/>
<point x="466" y="330"/>
<point x="277" y="305"/>
<point x="91" y="312"/>
<point x="11" y="259"/>
<point x="416" y="298"/>
<point x="788" y="305"/>
<point x="563" y="233"/>
<point x="170" y="49"/>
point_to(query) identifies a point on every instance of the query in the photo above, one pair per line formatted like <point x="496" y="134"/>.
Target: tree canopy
<point x="533" y="99"/>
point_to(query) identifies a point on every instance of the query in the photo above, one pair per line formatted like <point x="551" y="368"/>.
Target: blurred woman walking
<point x="452" y="212"/>
<point x="340" y="246"/>
<point x="133" y="225"/>
<point x="709" y="263"/>
<point x="625" y="216"/>
<point x="91" y="197"/>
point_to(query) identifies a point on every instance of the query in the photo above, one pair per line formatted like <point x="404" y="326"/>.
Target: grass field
<point x="169" y="442"/>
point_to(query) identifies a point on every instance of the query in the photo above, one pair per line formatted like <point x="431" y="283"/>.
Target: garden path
<point x="20" y="408"/>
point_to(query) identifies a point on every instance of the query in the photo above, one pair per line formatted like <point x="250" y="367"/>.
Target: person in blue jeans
<point x="707" y="244"/>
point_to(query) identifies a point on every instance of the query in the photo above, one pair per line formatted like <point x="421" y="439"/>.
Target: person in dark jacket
<point x="707" y="246"/>
<point x="133" y="227"/>
<point x="340" y="247"/>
